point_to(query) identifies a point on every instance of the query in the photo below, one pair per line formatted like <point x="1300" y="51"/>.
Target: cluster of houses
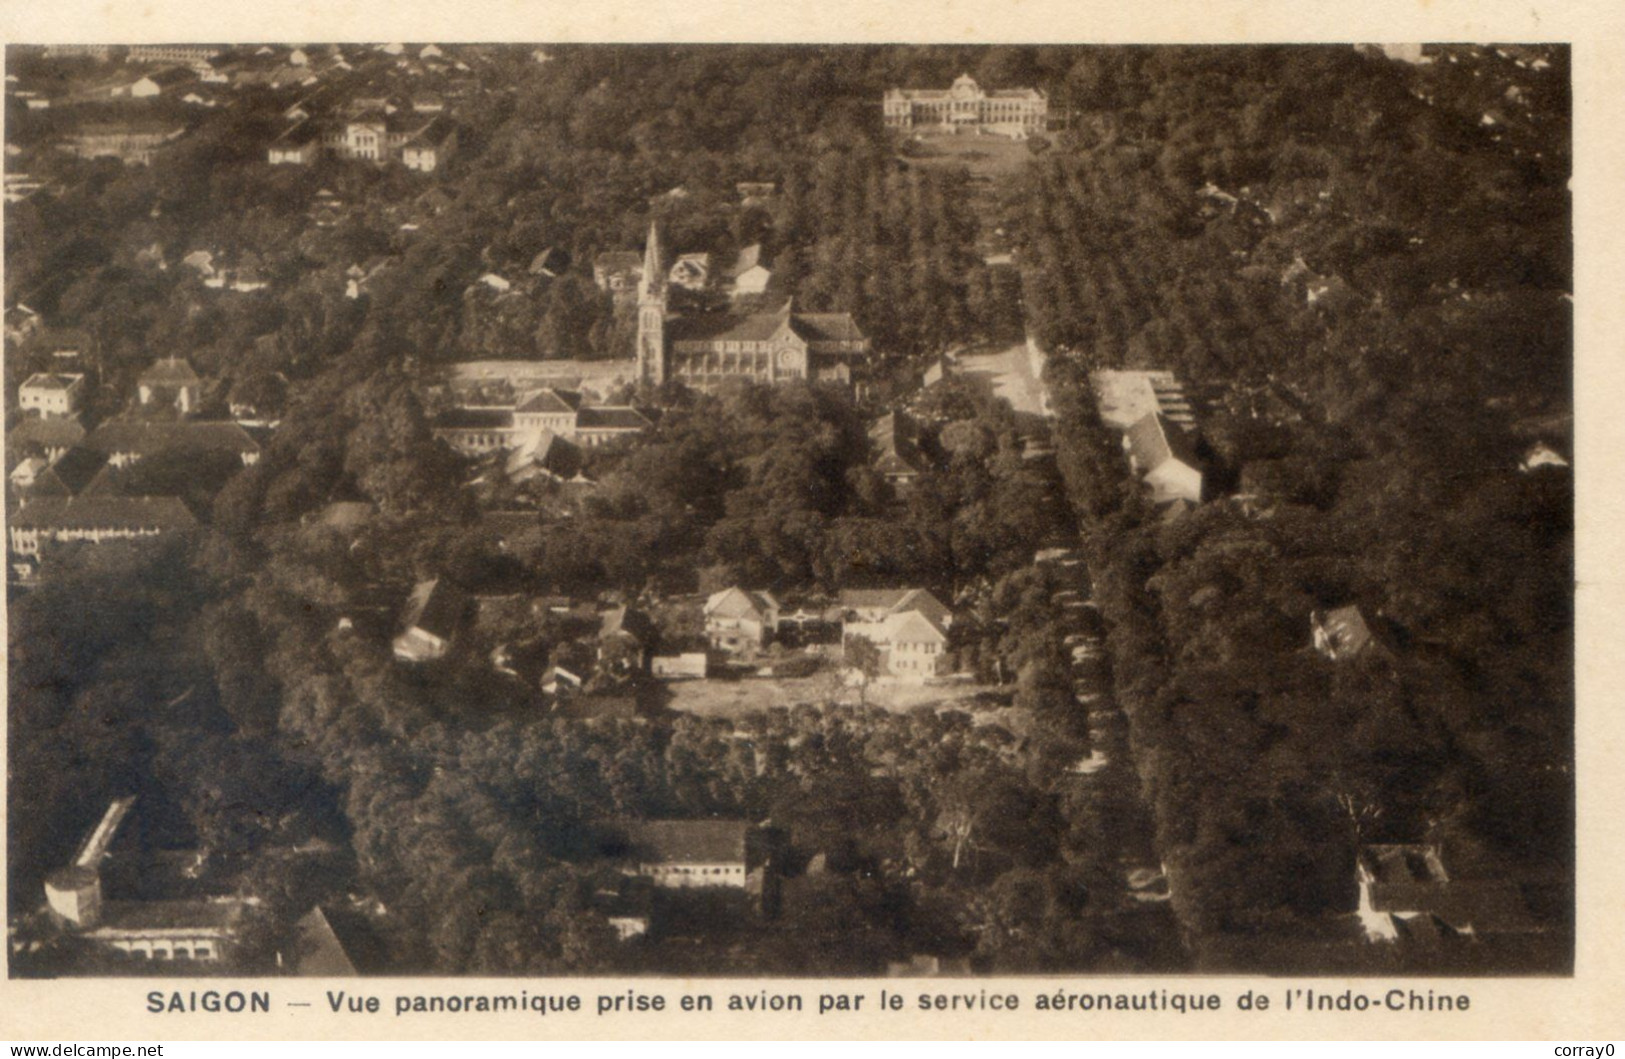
<point x="64" y="480"/>
<point x="908" y="627"/>
<point x="620" y="273"/>
<point x="378" y="103"/>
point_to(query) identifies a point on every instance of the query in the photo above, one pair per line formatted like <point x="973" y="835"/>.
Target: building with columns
<point x="705" y="349"/>
<point x="967" y="107"/>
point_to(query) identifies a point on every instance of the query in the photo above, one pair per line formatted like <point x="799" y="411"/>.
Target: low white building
<point x="53" y="395"/>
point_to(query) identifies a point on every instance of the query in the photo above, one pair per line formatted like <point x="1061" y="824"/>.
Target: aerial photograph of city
<point x="793" y="511"/>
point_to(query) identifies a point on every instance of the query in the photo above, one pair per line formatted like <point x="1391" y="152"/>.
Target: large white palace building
<point x="967" y="107"/>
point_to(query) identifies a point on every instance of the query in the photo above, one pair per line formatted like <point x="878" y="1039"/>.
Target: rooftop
<point x="688" y="841"/>
<point x="105" y="512"/>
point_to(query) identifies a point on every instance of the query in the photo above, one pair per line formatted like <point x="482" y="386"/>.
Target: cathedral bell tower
<point x="651" y="346"/>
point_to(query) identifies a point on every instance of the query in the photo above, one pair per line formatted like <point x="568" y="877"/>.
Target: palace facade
<point x="967" y="107"/>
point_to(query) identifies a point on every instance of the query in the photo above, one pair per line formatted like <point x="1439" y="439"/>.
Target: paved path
<point x="1010" y="372"/>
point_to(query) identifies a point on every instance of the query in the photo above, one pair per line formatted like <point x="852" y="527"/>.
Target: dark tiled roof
<point x="612" y="418"/>
<point x="826" y="327"/>
<point x="169" y="915"/>
<point x="435" y="607"/>
<point x="116" y="512"/>
<point x="78" y="467"/>
<point x="1153" y="441"/>
<point x="128" y="435"/>
<point x="551" y="400"/>
<point x="474" y="419"/>
<point x="434" y="134"/>
<point x="724" y="327"/>
<point x="49" y="433"/>
<point x="49" y="381"/>
<point x="688" y="841"/>
<point x="171" y="371"/>
<point x="618" y="261"/>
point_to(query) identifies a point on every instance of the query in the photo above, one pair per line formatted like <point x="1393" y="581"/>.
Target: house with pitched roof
<point x="690" y="854"/>
<point x="170" y="379"/>
<point x="746" y="276"/>
<point x="53" y="395"/>
<point x="433" y="616"/>
<point x="895" y="439"/>
<point x="739" y="620"/>
<point x="1343" y="633"/>
<point x="543" y="455"/>
<point x="690" y="271"/>
<point x="1163" y="456"/>
<point x="1406" y="895"/>
<point x="908" y="625"/>
<point x="618" y="271"/>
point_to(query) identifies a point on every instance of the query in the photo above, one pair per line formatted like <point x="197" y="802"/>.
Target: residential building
<point x="737" y="620"/>
<point x="871" y="605"/>
<point x="690" y="665"/>
<point x="99" y="52"/>
<point x="618" y="271"/>
<point x="1406" y="895"/>
<point x="625" y="637"/>
<point x="898" y="459"/>
<point x="908" y="626"/>
<point x="544" y="454"/>
<point x="199" y="930"/>
<point x="690" y="271"/>
<point x="548" y="410"/>
<point x="161" y="82"/>
<point x="170" y="380"/>
<point x="434" y="613"/>
<point x="1541" y="455"/>
<point x="688" y="854"/>
<point x="704" y="350"/>
<point x="95" y="519"/>
<point x="1344" y="633"/>
<point x="604" y="424"/>
<point x="431" y="146"/>
<point x="746" y="276"/>
<point x="20" y="320"/>
<point x="550" y="262"/>
<point x="134" y="142"/>
<point x="53" y="395"/>
<point x="1163" y="456"/>
<point x="298" y="144"/>
<point x="380" y="133"/>
<point x="967" y="107"/>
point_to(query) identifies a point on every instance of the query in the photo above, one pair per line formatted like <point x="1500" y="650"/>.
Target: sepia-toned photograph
<point x="789" y="511"/>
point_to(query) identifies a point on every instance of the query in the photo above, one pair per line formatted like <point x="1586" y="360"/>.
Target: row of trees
<point x="1379" y="425"/>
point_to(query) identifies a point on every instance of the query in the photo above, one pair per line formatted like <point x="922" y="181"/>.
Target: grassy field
<point x="731" y="698"/>
<point x="984" y="156"/>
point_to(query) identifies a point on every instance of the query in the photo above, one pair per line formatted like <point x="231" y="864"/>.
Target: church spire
<point x="651" y="339"/>
<point x="653" y="272"/>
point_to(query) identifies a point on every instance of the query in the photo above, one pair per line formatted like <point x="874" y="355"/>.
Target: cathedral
<point x="702" y="350"/>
